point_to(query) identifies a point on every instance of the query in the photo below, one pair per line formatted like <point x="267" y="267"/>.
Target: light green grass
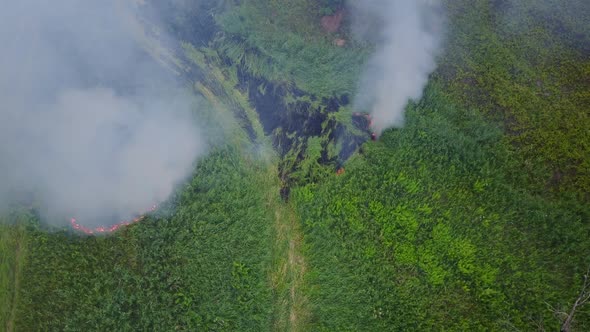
<point x="432" y="228"/>
<point x="284" y="44"/>
<point x="13" y="249"/>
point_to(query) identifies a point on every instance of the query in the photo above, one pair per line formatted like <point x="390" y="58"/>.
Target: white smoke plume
<point x="89" y="124"/>
<point x="407" y="35"/>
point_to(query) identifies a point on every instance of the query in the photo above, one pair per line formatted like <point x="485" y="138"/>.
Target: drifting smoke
<point x="88" y="123"/>
<point x="408" y="35"/>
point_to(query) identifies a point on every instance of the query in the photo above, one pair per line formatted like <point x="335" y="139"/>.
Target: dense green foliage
<point x="474" y="216"/>
<point x="282" y="41"/>
<point x="433" y="228"/>
<point x="203" y="266"/>
<point x="526" y="64"/>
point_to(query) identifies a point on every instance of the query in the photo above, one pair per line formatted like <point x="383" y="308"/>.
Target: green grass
<point x="432" y="227"/>
<point x="202" y="264"/>
<point x="472" y="217"/>
<point x="225" y="81"/>
<point x="13" y="248"/>
<point x="282" y="42"/>
<point x="523" y="67"/>
<point x="203" y="261"/>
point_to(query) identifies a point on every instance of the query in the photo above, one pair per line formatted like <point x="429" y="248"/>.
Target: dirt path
<point x="19" y="253"/>
<point x="288" y="275"/>
<point x="11" y="320"/>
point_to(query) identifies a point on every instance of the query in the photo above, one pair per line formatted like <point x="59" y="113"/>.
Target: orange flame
<point x="104" y="229"/>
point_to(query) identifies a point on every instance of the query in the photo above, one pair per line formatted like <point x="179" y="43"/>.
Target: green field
<point x="204" y="266"/>
<point x="475" y="216"/>
<point x="446" y="236"/>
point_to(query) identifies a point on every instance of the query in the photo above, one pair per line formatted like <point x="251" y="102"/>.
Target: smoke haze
<point x="408" y="35"/>
<point x="88" y="122"/>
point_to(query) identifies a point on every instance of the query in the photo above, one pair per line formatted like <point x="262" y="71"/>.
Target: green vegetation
<point x="432" y="228"/>
<point x="203" y="267"/>
<point x="282" y="41"/>
<point x="13" y="243"/>
<point x="524" y="66"/>
<point x="223" y="82"/>
<point x="474" y="216"/>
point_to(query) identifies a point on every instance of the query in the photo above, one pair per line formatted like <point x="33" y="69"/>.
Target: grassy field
<point x="203" y="266"/>
<point x="282" y="41"/>
<point x="526" y="65"/>
<point x="433" y="228"/>
<point x="474" y="216"/>
<point x="13" y="247"/>
<point x="218" y="256"/>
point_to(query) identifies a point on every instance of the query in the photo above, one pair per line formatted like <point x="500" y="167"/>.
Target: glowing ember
<point x="104" y="229"/>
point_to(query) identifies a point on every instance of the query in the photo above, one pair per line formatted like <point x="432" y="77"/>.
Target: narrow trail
<point x="10" y="324"/>
<point x="18" y="260"/>
<point x="291" y="311"/>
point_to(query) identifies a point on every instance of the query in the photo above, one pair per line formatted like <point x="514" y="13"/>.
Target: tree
<point x="582" y="299"/>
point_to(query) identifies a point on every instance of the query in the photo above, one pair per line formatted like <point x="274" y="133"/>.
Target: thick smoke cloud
<point x="407" y="34"/>
<point x="88" y="123"/>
